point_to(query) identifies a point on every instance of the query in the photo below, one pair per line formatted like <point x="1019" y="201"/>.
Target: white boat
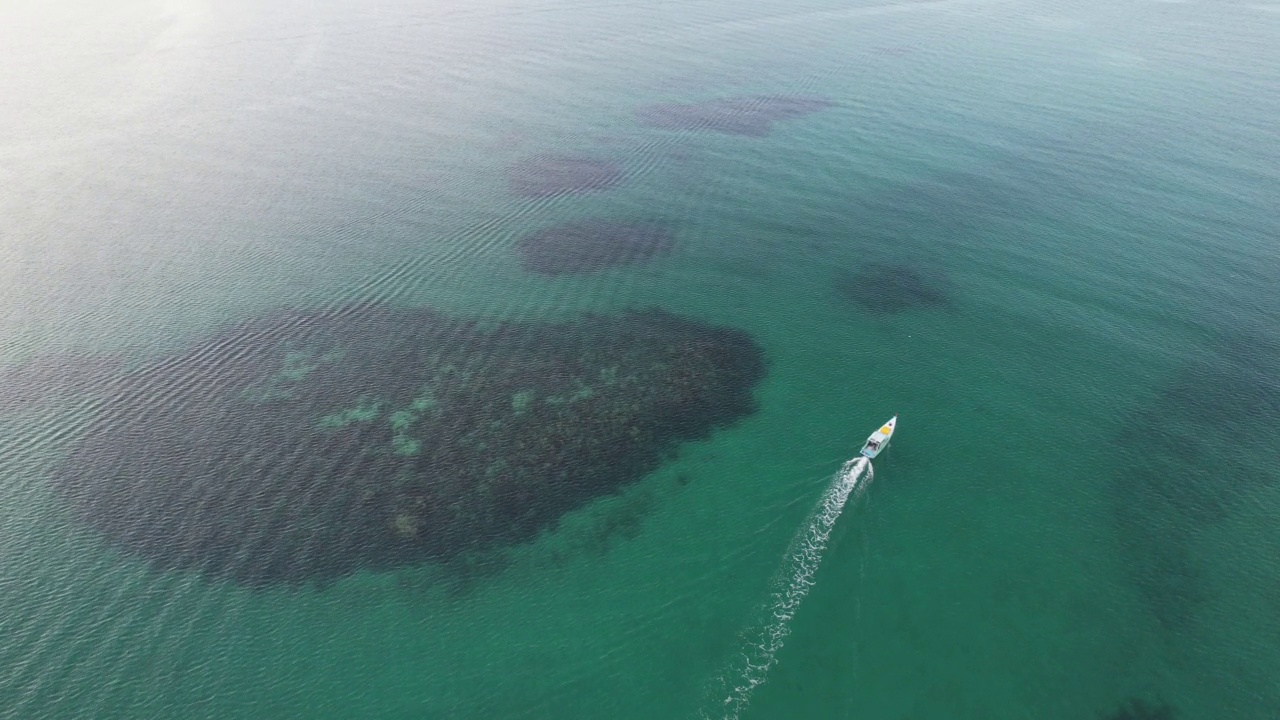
<point x="879" y="439"/>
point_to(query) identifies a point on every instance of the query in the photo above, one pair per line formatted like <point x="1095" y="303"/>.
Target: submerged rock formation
<point x="303" y="447"/>
<point x="887" y="288"/>
<point x="543" y="176"/>
<point x="1136" y="709"/>
<point x="29" y="384"/>
<point x="751" y="116"/>
<point x="1199" y="448"/>
<point x="587" y="245"/>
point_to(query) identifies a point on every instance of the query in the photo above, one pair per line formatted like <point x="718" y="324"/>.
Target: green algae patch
<point x="405" y="446"/>
<point x="366" y="411"/>
<point x="401" y="420"/>
<point x="426" y="400"/>
<point x="521" y="401"/>
<point x="297" y="365"/>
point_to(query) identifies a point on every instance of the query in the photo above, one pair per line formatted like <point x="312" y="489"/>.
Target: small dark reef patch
<point x="1139" y="710"/>
<point x="303" y="447"/>
<point x="752" y="116"/>
<point x="587" y="245"/>
<point x="543" y="176"/>
<point x="887" y="288"/>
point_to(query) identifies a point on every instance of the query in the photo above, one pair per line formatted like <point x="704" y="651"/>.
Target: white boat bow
<point x="879" y="439"/>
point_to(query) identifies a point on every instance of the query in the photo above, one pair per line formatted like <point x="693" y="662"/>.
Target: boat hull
<point x="879" y="439"/>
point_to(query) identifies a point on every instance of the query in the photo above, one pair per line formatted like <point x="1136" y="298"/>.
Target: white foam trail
<point x="762" y="642"/>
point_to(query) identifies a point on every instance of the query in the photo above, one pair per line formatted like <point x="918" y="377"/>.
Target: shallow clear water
<point x="1070" y="210"/>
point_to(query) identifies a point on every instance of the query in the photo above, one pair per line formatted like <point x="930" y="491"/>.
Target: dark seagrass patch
<point x="302" y="447"/>
<point x="751" y="116"/>
<point x="544" y="176"/>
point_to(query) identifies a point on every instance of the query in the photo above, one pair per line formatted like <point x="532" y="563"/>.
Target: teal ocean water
<point x="1044" y="234"/>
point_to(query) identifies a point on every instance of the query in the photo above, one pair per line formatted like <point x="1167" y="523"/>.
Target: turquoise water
<point x="1077" y="511"/>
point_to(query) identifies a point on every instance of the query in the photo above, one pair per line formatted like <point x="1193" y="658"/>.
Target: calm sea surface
<point x="1046" y="234"/>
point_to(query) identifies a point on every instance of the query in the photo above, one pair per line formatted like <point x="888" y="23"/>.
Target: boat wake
<point x="762" y="641"/>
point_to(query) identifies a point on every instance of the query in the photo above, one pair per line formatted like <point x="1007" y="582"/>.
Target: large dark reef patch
<point x="303" y="447"/>
<point x="751" y="116"/>
<point x="28" y="384"/>
<point x="886" y="288"/>
<point x="589" y="245"/>
<point x="544" y="176"/>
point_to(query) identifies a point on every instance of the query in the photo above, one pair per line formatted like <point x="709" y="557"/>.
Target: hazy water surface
<point x="1044" y="234"/>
